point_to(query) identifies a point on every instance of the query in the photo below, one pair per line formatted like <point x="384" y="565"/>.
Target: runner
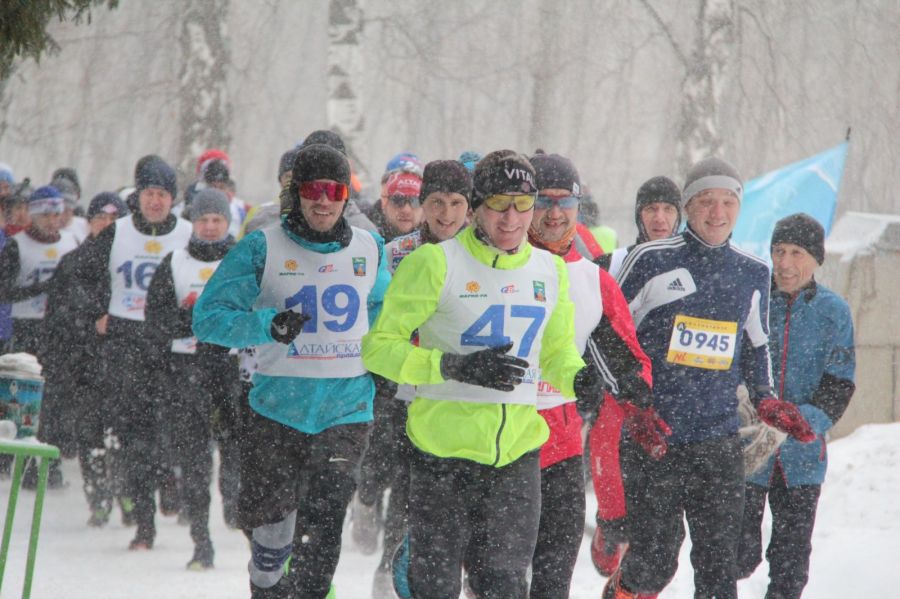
<point x="473" y="424"/>
<point x="116" y="272"/>
<point x="812" y="338"/>
<point x="601" y="316"/>
<point x="657" y="214"/>
<point x="27" y="263"/>
<point x="303" y="293"/>
<point x="199" y="377"/>
<point x="700" y="306"/>
<point x="76" y="350"/>
<point x="446" y="188"/>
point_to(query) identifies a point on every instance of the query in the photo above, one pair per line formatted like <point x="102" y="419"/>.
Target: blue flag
<point x="809" y="186"/>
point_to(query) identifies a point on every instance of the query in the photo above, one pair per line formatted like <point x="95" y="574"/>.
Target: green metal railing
<point x="22" y="450"/>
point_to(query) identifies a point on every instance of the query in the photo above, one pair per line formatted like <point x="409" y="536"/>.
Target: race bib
<point x="702" y="343"/>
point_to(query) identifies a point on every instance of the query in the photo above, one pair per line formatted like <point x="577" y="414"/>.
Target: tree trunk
<point x="709" y="70"/>
<point x="345" y="110"/>
<point x="205" y="110"/>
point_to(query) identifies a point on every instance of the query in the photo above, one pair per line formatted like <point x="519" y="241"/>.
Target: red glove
<point x="647" y="429"/>
<point x="785" y="416"/>
<point x="190" y="300"/>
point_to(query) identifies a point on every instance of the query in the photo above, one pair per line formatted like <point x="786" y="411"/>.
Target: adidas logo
<point x="675" y="285"/>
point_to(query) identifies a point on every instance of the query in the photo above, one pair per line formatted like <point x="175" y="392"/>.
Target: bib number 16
<point x="494" y="320"/>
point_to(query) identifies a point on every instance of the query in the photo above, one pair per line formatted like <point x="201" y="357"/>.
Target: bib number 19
<point x="494" y="319"/>
<point x="340" y="301"/>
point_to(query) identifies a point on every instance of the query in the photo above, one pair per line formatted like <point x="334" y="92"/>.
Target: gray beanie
<point x="210" y="200"/>
<point x="712" y="173"/>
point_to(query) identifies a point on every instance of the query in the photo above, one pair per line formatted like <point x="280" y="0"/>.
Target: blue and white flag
<point x="809" y="186"/>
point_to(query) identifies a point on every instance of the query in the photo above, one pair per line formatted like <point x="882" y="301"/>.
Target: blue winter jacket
<point x="814" y="362"/>
<point x="681" y="277"/>
<point x="224" y="315"/>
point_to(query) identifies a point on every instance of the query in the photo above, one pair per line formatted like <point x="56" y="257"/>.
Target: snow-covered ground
<point x="855" y="545"/>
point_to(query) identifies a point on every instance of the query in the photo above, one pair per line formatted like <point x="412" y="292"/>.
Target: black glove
<point x="287" y="325"/>
<point x="492" y="368"/>
<point x="589" y="389"/>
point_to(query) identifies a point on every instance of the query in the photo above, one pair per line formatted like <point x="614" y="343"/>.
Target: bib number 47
<point x="488" y="330"/>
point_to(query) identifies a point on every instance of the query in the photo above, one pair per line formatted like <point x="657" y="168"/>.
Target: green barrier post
<point x="22" y="450"/>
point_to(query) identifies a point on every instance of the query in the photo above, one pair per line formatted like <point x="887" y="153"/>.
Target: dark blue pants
<point x="793" y="518"/>
<point x="703" y="482"/>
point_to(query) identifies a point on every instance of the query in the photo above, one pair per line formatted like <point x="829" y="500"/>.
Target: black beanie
<point x="553" y="171"/>
<point x="657" y="189"/>
<point x="216" y="171"/>
<point x="106" y="202"/>
<point x="326" y="137"/>
<point x="69" y="173"/>
<point x="712" y="173"/>
<point x="153" y="171"/>
<point x="803" y="230"/>
<point x="286" y="162"/>
<point x="319" y="161"/>
<point x="500" y="172"/>
<point x="448" y="176"/>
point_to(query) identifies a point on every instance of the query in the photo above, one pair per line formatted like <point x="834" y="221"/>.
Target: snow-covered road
<point x="855" y="545"/>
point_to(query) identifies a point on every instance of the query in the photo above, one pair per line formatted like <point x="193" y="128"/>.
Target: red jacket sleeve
<point x="614" y="348"/>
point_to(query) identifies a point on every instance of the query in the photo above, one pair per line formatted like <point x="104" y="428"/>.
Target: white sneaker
<point x="364" y="526"/>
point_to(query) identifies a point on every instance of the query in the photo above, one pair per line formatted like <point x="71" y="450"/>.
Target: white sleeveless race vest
<point x="584" y="290"/>
<point x="396" y="250"/>
<point x="37" y="263"/>
<point x="617" y="260"/>
<point x="133" y="259"/>
<point x="334" y="289"/>
<point x="189" y="275"/>
<point x="483" y="307"/>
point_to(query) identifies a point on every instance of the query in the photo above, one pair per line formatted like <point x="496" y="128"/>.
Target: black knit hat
<point x="216" y="171"/>
<point x="656" y="189"/>
<point x="153" y="171"/>
<point x="712" y="173"/>
<point x="319" y="161"/>
<point x="502" y="171"/>
<point x="286" y="163"/>
<point x="803" y="230"/>
<point x="324" y="136"/>
<point x="69" y="173"/>
<point x="106" y="202"/>
<point x="553" y="171"/>
<point x="448" y="176"/>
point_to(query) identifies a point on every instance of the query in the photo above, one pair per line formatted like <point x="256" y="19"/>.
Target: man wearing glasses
<point x="303" y="292"/>
<point x="603" y="322"/>
<point x="397" y="211"/>
<point x="493" y="315"/>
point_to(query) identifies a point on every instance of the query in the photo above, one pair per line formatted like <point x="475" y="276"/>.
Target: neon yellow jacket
<point x="492" y="434"/>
